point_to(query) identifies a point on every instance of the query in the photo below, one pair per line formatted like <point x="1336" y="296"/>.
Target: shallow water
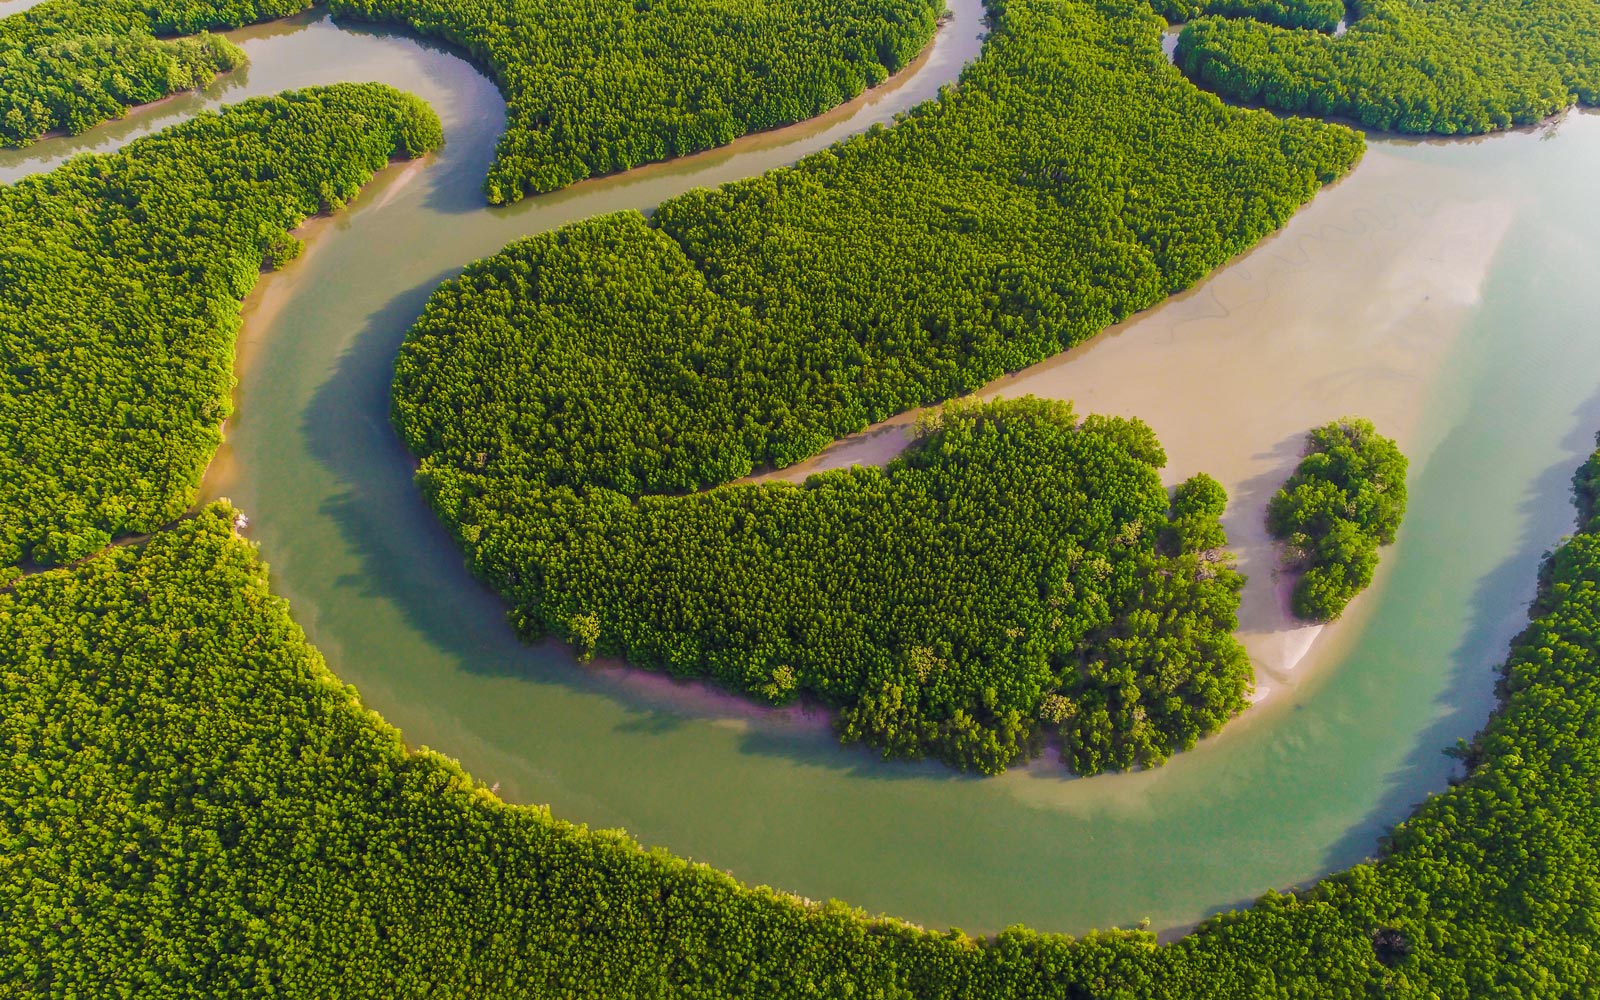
<point x="1445" y="290"/>
<point x="1232" y="374"/>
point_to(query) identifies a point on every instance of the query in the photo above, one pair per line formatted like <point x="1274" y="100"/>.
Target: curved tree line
<point x="596" y="88"/>
<point x="191" y="805"/>
<point x="121" y="277"/>
<point x="563" y="395"/>
<point x="1318" y="15"/>
<point x="1449" y="67"/>
<point x="1013" y="577"/>
<point x="68" y="65"/>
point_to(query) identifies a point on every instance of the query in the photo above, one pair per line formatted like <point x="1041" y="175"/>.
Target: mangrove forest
<point x="194" y="804"/>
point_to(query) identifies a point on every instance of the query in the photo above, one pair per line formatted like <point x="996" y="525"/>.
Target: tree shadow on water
<point x="470" y="105"/>
<point x="1497" y="614"/>
<point x="409" y="561"/>
<point x="407" y="557"/>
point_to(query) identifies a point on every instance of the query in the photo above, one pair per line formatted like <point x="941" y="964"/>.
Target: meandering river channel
<point x="1445" y="290"/>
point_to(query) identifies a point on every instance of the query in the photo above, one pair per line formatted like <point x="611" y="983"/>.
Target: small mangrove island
<point x="1345" y="499"/>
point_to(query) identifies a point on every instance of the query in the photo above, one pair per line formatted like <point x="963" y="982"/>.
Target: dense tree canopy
<point x="76" y="84"/>
<point x="1321" y="15"/>
<point x="121" y="277"/>
<point x="57" y="20"/>
<point x="1054" y="192"/>
<point x="1344" y="500"/>
<point x="1071" y="179"/>
<point x="191" y="805"/>
<point x="70" y="64"/>
<point x="592" y="88"/>
<point x="1443" y="66"/>
<point x="1000" y="582"/>
<point x="597" y="87"/>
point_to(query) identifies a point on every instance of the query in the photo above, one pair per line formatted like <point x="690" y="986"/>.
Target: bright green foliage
<point x="71" y="64"/>
<point x="597" y="87"/>
<point x="1055" y="191"/>
<point x="591" y="88"/>
<point x="998" y="582"/>
<point x="191" y="806"/>
<point x="56" y="20"/>
<point x="1321" y="15"/>
<point x="1197" y="508"/>
<point x="1051" y="194"/>
<point x="1443" y="66"/>
<point x="77" y="84"/>
<point x="120" y="282"/>
<point x="1344" y="500"/>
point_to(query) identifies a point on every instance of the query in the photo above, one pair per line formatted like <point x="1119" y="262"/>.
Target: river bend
<point x="1444" y="289"/>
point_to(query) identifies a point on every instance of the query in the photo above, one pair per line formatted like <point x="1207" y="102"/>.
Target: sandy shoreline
<point x="272" y="291"/>
<point x="266" y="300"/>
<point x="1351" y="309"/>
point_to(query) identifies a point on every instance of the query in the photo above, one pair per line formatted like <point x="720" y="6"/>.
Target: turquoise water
<point x="1304" y="784"/>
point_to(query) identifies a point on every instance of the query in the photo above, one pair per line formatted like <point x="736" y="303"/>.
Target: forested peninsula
<point x="590" y="89"/>
<point x="68" y="65"/>
<point x="1014" y="576"/>
<point x="570" y="388"/>
<point x="1449" y="67"/>
<point x="1345" y="499"/>
<point x="121" y="277"/>
<point x="191" y="804"/>
<point x="594" y="89"/>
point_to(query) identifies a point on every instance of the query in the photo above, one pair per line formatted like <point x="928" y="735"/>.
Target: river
<point x="1444" y="289"/>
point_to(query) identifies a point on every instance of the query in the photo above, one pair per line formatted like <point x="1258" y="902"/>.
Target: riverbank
<point x="954" y="43"/>
<point x="1303" y="786"/>
<point x="1231" y="374"/>
<point x="382" y="591"/>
